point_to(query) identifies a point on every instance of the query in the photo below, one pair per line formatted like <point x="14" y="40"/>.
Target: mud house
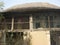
<point x="31" y="24"/>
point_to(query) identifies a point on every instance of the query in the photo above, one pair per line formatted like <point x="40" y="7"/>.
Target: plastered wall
<point x="40" y="37"/>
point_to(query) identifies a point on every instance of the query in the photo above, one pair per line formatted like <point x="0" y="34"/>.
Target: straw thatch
<point x="30" y="6"/>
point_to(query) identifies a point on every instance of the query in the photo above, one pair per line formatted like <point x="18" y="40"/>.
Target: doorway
<point x="14" y="38"/>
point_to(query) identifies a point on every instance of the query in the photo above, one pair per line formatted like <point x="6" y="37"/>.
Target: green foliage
<point x="1" y="7"/>
<point x="1" y="4"/>
<point x="1" y="17"/>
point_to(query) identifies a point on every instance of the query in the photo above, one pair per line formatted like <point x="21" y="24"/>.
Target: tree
<point x="1" y="8"/>
<point x="1" y="4"/>
<point x="1" y="15"/>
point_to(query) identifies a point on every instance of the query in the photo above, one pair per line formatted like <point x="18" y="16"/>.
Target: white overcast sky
<point x="9" y="3"/>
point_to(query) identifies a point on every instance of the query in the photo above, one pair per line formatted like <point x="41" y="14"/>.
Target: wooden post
<point x="4" y="37"/>
<point x="31" y="22"/>
<point x="49" y="22"/>
<point x="53" y="22"/>
<point x="12" y="27"/>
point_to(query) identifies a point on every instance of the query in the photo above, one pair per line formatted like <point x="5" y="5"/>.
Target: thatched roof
<point x="30" y="6"/>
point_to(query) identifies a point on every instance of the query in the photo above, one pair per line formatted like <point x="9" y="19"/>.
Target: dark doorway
<point x="14" y="38"/>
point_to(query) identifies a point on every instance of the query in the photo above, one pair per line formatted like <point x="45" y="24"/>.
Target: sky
<point x="10" y="3"/>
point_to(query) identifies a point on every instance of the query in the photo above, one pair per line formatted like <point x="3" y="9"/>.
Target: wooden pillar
<point x="12" y="26"/>
<point x="49" y="21"/>
<point x="4" y="38"/>
<point x="31" y="22"/>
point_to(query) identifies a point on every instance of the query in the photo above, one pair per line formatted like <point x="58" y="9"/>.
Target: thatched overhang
<point x="33" y="7"/>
